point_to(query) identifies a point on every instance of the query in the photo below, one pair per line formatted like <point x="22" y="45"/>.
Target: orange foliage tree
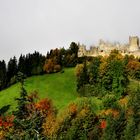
<point x="133" y="68"/>
<point x="51" y="66"/>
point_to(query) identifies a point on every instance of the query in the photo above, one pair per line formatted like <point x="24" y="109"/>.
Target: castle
<point x="104" y="48"/>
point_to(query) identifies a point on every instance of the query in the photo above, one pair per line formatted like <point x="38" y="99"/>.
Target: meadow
<point x="59" y="87"/>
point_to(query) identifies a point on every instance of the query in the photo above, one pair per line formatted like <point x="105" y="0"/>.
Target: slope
<point x="60" y="87"/>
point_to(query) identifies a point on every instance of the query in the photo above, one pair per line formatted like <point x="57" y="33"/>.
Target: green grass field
<point x="60" y="87"/>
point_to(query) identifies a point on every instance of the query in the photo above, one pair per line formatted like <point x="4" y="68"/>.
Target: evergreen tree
<point x="71" y="55"/>
<point x="3" y="75"/>
<point x="37" y="63"/>
<point x="28" y="64"/>
<point x="12" y="69"/>
<point x="21" y="111"/>
<point x="21" y="64"/>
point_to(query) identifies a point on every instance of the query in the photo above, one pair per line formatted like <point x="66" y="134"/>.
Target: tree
<point x="21" y="111"/>
<point x="21" y="64"/>
<point x="71" y="55"/>
<point x="83" y="78"/>
<point x="3" y="75"/>
<point x="37" y="62"/>
<point x="115" y="78"/>
<point x="115" y="126"/>
<point x="133" y="68"/>
<point x="12" y="69"/>
<point x="94" y="70"/>
<point x="31" y="116"/>
<point x="132" y="129"/>
<point x="78" y="122"/>
<point x="51" y="66"/>
<point x="79" y="69"/>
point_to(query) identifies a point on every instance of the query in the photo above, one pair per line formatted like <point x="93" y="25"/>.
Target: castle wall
<point x="104" y="48"/>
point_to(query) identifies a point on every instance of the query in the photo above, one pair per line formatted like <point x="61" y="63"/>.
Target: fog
<point x="41" y="25"/>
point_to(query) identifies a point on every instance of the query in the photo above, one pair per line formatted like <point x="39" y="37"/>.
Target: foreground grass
<point x="60" y="87"/>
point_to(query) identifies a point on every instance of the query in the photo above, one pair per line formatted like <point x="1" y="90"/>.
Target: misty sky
<point x="29" y="25"/>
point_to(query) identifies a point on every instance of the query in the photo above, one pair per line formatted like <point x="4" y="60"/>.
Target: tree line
<point x="37" y="64"/>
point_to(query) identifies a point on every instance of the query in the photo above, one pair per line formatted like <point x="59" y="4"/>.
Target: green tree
<point x="133" y="125"/>
<point x="71" y="55"/>
<point x="3" y="75"/>
<point x="94" y="70"/>
<point x="22" y="64"/>
<point x="12" y="69"/>
<point x="116" y="78"/>
<point x="83" y="78"/>
<point x="21" y="111"/>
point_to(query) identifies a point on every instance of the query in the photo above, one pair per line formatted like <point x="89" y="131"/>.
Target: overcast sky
<point x="29" y="25"/>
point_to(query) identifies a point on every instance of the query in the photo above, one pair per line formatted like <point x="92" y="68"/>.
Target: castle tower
<point x="133" y="43"/>
<point x="81" y="51"/>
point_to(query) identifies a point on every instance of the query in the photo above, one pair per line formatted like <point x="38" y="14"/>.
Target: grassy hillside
<point x="60" y="87"/>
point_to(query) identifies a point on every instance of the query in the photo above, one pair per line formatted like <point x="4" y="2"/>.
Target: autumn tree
<point x="78" y="121"/>
<point x="51" y="66"/>
<point x="78" y="69"/>
<point x="133" y="68"/>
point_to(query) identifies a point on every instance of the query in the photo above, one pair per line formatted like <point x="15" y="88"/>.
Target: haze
<point x="41" y="25"/>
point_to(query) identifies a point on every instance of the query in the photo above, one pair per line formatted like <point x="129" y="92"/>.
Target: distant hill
<point x="60" y="87"/>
